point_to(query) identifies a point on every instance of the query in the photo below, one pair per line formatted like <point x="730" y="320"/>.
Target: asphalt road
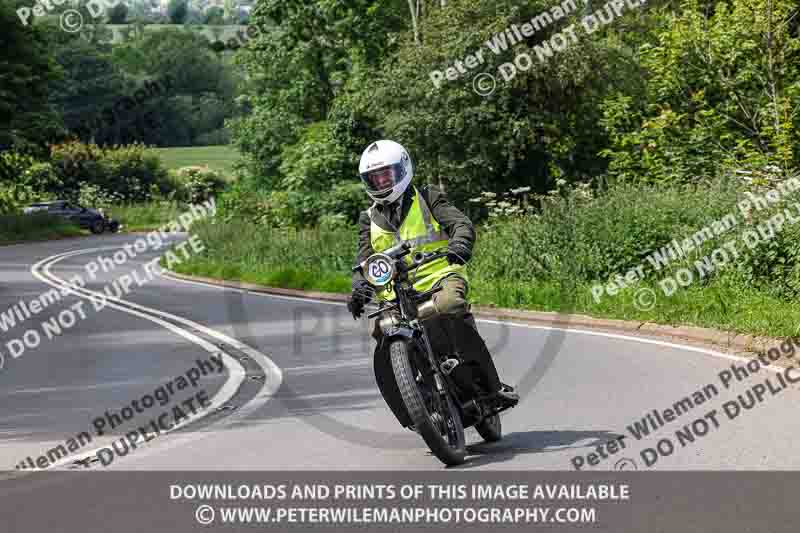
<point x="297" y="389"/>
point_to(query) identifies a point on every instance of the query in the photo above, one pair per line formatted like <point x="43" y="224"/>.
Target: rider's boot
<point x="506" y="396"/>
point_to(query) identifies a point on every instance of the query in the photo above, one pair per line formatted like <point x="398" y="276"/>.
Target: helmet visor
<point x="382" y="180"/>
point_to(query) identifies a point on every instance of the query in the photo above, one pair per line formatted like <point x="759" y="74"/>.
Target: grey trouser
<point x="452" y="331"/>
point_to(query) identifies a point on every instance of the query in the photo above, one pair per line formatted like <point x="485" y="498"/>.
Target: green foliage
<point x="547" y="261"/>
<point x="720" y="87"/>
<point x="304" y="51"/>
<point x="27" y="70"/>
<point x="242" y="202"/>
<point x="177" y="11"/>
<point x="345" y="200"/>
<point x="580" y="238"/>
<point x="13" y="165"/>
<point x="165" y="88"/>
<point x="36" y="227"/>
<point x="93" y="196"/>
<point x="215" y="15"/>
<point x="147" y="216"/>
<point x="90" y="86"/>
<point x="13" y="197"/>
<point x="42" y="177"/>
<point x="118" y="14"/>
<point x="200" y="183"/>
<point x="23" y="180"/>
<point x="127" y="171"/>
<point x="315" y="161"/>
<point x="298" y="258"/>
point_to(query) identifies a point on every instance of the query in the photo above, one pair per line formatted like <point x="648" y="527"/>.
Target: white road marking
<point x="236" y="371"/>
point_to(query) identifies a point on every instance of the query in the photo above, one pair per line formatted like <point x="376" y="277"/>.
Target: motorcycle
<point x="438" y="400"/>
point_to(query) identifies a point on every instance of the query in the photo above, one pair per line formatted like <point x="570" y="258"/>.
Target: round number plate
<point x="379" y="269"/>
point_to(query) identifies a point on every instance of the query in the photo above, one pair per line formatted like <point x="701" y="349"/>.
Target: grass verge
<point x="315" y="260"/>
<point x="550" y="261"/>
<point x="145" y="217"/>
<point x="37" y="227"/>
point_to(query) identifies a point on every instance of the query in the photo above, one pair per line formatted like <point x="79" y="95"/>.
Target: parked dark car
<point x="92" y="219"/>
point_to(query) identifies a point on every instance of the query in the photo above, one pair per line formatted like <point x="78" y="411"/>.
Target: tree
<point x="722" y="86"/>
<point x="230" y="11"/>
<point x="118" y="14"/>
<point x="201" y="87"/>
<point x="27" y="69"/>
<point x="215" y="16"/>
<point x="194" y="16"/>
<point x="91" y="84"/>
<point x="302" y="57"/>
<point x="177" y="10"/>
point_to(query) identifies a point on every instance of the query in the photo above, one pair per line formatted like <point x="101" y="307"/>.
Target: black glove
<point x="458" y="254"/>
<point x="355" y="304"/>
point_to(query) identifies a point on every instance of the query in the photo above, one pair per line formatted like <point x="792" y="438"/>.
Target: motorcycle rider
<point x="424" y="218"/>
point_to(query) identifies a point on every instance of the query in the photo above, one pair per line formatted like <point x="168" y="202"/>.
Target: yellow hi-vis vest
<point x="423" y="233"/>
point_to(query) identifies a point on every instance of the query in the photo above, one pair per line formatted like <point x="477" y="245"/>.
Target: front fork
<point x="437" y="375"/>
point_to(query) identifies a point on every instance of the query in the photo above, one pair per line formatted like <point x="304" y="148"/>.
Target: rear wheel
<point x="490" y="428"/>
<point x="434" y="415"/>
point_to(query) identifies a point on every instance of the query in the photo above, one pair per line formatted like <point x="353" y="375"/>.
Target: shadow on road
<point x="524" y="442"/>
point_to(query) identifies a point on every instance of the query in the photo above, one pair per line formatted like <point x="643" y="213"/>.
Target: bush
<point x="200" y="183"/>
<point x="93" y="196"/>
<point x="242" y="202"/>
<point x="315" y="162"/>
<point x="579" y="238"/>
<point x="129" y="171"/>
<point x="13" y="165"/>
<point x="291" y="209"/>
<point x="42" y="177"/>
<point x="345" y="199"/>
<point x="14" y="196"/>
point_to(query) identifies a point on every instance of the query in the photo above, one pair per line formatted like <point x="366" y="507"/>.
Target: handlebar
<point x="403" y="249"/>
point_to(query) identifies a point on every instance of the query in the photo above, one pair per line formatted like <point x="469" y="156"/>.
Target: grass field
<point x="219" y="158"/>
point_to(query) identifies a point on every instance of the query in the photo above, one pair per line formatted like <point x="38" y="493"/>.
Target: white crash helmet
<point x="386" y="171"/>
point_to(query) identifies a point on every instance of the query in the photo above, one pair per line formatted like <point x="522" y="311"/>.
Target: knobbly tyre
<point x="437" y="403"/>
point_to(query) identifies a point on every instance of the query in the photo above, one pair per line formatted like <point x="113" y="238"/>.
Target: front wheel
<point x="434" y="415"/>
<point x="98" y="227"/>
